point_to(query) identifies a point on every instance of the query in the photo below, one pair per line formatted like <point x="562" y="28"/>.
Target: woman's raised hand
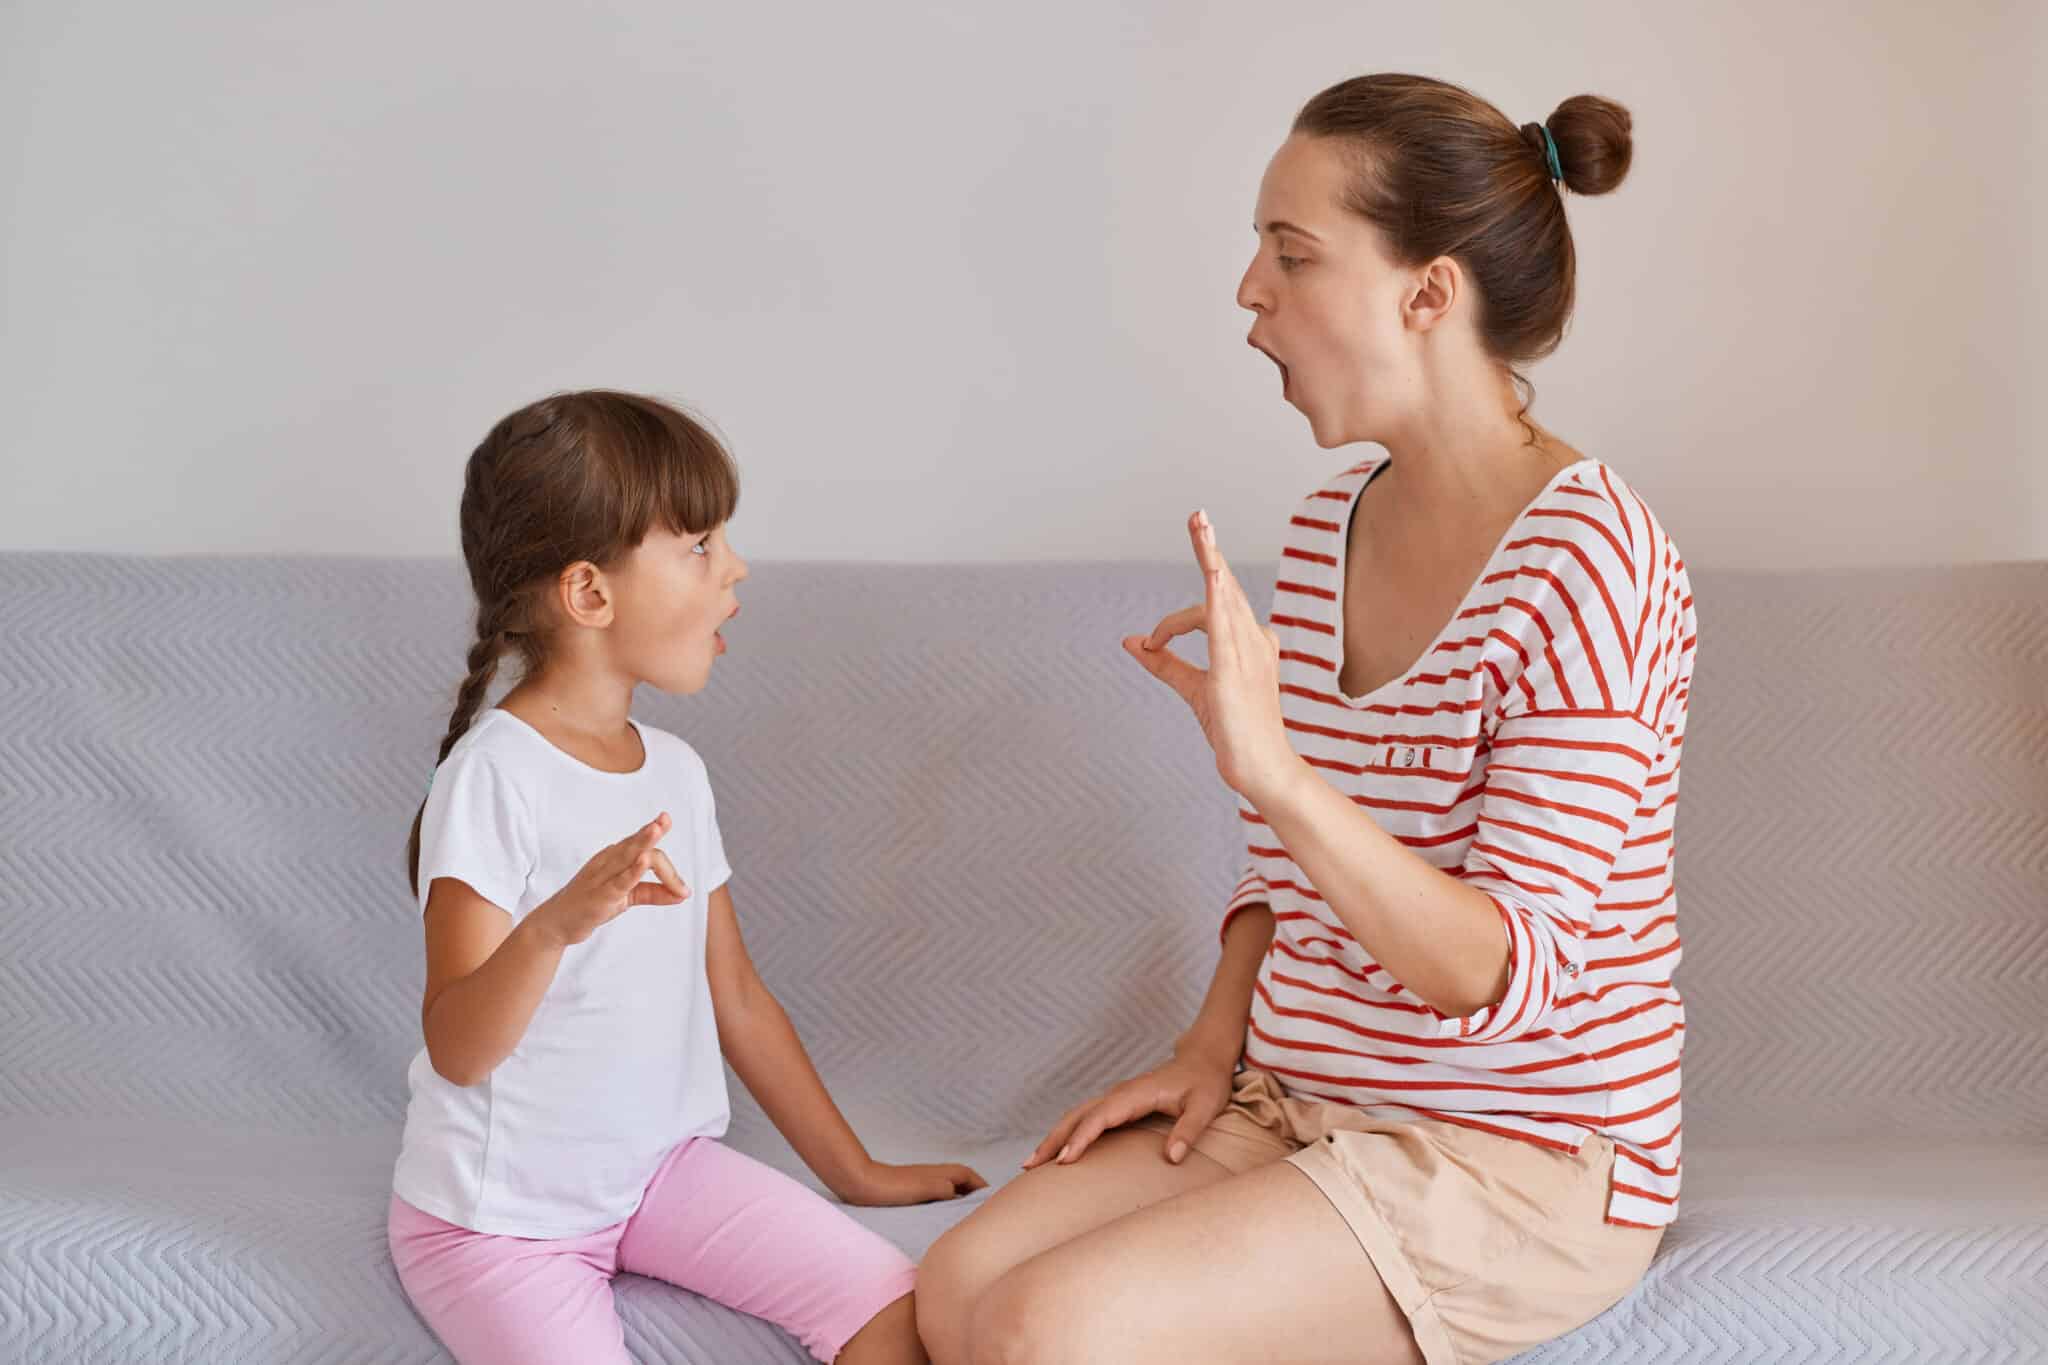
<point x="1236" y="699"/>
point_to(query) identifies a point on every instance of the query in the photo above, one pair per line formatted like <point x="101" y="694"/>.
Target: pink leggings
<point x="714" y="1222"/>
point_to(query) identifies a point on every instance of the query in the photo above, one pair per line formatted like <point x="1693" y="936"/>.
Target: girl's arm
<point x="486" y="976"/>
<point x="762" y="1045"/>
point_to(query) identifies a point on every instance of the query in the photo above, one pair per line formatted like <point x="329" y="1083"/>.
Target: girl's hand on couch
<point x="884" y="1185"/>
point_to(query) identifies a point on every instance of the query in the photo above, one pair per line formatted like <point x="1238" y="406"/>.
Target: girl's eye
<point x="1288" y="262"/>
<point x="702" y="547"/>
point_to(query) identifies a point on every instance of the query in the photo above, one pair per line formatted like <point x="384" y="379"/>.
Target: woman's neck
<point x="1467" y="443"/>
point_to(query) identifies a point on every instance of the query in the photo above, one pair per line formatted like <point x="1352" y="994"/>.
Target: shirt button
<point x="1571" y="969"/>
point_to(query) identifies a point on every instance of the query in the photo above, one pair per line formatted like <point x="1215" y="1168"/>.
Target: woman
<point x="1429" y="1108"/>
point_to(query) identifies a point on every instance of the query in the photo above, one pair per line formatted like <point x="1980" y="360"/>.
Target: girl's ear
<point x="584" y="595"/>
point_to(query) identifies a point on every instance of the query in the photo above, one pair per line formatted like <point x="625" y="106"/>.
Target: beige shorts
<point x="1491" y="1245"/>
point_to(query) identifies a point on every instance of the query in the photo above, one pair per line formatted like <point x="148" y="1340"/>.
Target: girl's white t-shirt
<point x="621" y="1061"/>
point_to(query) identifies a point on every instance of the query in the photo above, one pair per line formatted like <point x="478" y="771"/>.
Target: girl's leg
<point x="725" y="1226"/>
<point x="1124" y="1171"/>
<point x="508" y="1300"/>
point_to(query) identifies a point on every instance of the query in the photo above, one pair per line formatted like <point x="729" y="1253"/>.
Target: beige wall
<point x="959" y="285"/>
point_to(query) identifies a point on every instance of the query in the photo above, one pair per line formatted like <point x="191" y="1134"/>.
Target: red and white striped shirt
<point x="1532" y="752"/>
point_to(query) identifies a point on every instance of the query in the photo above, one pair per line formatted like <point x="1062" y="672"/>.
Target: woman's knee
<point x="953" y="1274"/>
<point x="1019" y="1321"/>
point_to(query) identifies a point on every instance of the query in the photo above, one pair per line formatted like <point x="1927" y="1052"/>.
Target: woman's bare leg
<point x="1124" y="1171"/>
<point x="1255" y="1267"/>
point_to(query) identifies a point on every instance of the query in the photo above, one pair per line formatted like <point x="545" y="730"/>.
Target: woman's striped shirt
<point x="1533" y="752"/>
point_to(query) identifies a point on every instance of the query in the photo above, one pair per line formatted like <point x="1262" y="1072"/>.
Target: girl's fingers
<point x="616" y="860"/>
<point x="668" y="887"/>
<point x="632" y="873"/>
<point x="966" y="1180"/>
<point x="666" y="872"/>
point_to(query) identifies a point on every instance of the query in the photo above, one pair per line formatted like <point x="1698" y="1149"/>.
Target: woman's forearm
<point x="1438" y="937"/>
<point x="1218" y="1030"/>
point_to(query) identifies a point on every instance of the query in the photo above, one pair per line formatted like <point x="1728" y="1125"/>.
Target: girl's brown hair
<point x="573" y="478"/>
<point x="1441" y="172"/>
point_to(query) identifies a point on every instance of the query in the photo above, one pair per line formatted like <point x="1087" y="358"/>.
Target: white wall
<point x="956" y="280"/>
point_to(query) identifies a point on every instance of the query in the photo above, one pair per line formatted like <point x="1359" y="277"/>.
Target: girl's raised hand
<point x="610" y="884"/>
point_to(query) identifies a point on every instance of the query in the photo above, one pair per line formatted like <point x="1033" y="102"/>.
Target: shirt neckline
<point x="1401" y="679"/>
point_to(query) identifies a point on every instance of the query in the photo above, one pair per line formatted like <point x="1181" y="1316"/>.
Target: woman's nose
<point x="1251" y="291"/>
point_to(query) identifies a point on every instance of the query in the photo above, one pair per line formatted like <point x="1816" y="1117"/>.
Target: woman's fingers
<point x="1208" y="561"/>
<point x="966" y="1180"/>
<point x="1057" y="1137"/>
<point x="1230" y="611"/>
<point x="1173" y="624"/>
<point x="1189" y="1126"/>
<point x="1115" y="1111"/>
<point x="1167" y="666"/>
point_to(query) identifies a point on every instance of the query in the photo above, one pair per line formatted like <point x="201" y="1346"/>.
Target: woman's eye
<point x="1288" y="262"/>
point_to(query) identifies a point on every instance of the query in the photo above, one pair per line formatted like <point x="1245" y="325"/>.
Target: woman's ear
<point x="584" y="595"/>
<point x="1432" y="294"/>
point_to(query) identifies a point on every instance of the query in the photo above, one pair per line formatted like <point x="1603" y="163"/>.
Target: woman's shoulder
<point x="1591" y="522"/>
<point x="1339" y="491"/>
<point x="1588" y="558"/>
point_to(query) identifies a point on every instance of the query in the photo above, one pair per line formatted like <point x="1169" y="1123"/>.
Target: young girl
<point x="584" y="961"/>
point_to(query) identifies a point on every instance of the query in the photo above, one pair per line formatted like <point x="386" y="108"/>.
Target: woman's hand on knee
<point x="1192" y="1089"/>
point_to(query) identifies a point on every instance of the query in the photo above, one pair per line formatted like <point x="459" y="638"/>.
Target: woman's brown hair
<point x="1441" y="172"/>
<point x="573" y="478"/>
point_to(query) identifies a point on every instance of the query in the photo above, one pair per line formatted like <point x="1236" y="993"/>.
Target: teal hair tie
<point x="1550" y="153"/>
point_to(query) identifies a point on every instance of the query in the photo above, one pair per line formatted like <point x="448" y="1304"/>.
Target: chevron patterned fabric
<point x="980" y="856"/>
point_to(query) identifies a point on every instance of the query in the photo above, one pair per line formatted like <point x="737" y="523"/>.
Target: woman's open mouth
<point x="1276" y="361"/>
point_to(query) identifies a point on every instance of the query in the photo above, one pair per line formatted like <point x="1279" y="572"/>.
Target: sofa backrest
<point x="979" y="854"/>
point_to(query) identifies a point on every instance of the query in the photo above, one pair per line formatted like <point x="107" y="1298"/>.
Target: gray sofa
<point x="980" y="856"/>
